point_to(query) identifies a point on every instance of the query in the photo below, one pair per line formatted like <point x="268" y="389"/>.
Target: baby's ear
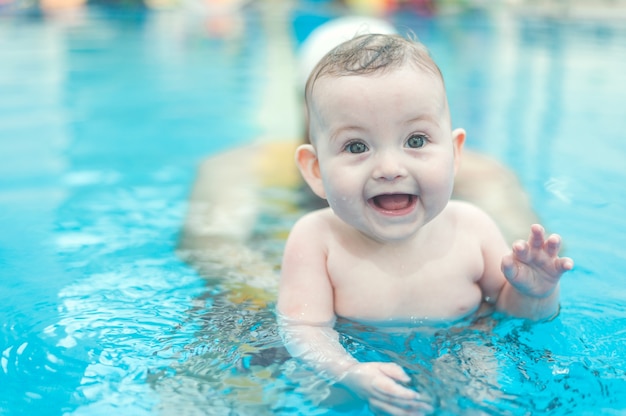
<point x="309" y="165"/>
<point x="458" y="139"/>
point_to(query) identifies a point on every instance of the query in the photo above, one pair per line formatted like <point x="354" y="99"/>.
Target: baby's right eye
<point x="356" y="147"/>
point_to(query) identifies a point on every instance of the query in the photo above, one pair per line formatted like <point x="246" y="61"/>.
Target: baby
<point x="392" y="247"/>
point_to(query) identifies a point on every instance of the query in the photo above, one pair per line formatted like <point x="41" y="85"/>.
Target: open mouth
<point x="396" y="204"/>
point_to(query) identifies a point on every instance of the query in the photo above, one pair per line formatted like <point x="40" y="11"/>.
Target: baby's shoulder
<point x="315" y="232"/>
<point x="464" y="208"/>
<point x="314" y="223"/>
<point x="469" y="215"/>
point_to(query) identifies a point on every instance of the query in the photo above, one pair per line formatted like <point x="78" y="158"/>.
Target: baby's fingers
<point x="522" y="251"/>
<point x="553" y="245"/>
<point x="395" y="371"/>
<point x="538" y="245"/>
<point x="564" y="264"/>
<point x="380" y="407"/>
<point x="398" y="400"/>
<point x="387" y="389"/>
<point x="509" y="267"/>
<point x="536" y="238"/>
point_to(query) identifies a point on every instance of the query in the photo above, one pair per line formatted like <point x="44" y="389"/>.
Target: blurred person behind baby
<point x="228" y="192"/>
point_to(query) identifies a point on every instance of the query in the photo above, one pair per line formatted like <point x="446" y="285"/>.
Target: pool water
<point x="105" y="114"/>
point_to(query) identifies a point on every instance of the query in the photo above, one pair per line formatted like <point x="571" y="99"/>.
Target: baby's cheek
<point x="340" y="202"/>
<point x="340" y="191"/>
<point x="437" y="181"/>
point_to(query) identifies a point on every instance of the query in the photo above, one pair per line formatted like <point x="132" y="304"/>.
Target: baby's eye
<point x="356" y="147"/>
<point x="416" y="141"/>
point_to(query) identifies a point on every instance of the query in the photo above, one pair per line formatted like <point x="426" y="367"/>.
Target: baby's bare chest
<point x="438" y="284"/>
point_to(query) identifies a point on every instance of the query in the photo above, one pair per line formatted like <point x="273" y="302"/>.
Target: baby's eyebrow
<point x="348" y="128"/>
<point x="424" y="117"/>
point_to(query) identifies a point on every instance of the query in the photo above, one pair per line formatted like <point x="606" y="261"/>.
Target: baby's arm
<point x="306" y="317"/>
<point x="533" y="270"/>
<point x="524" y="281"/>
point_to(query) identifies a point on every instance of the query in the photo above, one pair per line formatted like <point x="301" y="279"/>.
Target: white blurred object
<point x="330" y="34"/>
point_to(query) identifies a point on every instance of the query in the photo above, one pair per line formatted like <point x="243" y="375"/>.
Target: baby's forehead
<point x="328" y="86"/>
<point x="347" y="100"/>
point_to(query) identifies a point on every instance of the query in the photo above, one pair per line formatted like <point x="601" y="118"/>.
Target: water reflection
<point x="103" y="118"/>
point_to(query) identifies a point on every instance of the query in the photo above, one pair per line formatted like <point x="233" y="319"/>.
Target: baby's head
<point x="371" y="55"/>
<point x="382" y="150"/>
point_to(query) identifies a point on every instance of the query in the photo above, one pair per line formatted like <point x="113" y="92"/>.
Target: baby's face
<point x="385" y="150"/>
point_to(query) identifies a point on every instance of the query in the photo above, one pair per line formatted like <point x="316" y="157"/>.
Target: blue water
<point x="104" y="116"/>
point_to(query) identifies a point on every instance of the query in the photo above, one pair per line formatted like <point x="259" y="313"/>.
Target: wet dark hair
<point x="371" y="54"/>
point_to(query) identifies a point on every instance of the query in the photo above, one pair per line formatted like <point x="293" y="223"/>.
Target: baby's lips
<point x="393" y="202"/>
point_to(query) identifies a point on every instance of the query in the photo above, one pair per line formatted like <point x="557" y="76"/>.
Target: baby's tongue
<point x="392" y="202"/>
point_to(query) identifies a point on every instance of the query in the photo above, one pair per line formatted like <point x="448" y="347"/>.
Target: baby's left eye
<point x="416" y="141"/>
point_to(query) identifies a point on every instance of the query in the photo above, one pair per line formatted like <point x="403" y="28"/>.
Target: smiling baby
<point x="392" y="246"/>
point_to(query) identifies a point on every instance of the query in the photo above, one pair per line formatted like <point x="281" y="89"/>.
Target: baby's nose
<point x="389" y="167"/>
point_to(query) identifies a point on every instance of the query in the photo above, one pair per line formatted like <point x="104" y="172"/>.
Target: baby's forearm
<point x="514" y="303"/>
<point x="318" y="346"/>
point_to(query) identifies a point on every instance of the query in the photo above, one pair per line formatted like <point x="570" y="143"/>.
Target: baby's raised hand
<point x="378" y="384"/>
<point x="534" y="266"/>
